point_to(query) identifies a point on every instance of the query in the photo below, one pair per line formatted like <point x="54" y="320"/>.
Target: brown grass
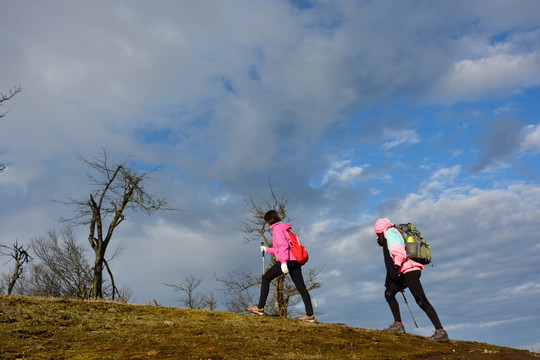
<point x="48" y="328"/>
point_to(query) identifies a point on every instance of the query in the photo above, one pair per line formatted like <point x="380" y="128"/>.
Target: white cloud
<point x="319" y="227"/>
<point x="17" y="179"/>
<point x="525" y="289"/>
<point x="405" y="137"/>
<point x="222" y="199"/>
<point x="447" y="174"/>
<point x="499" y="74"/>
<point x="531" y="139"/>
<point x="333" y="273"/>
<point x="502" y="322"/>
<point x="343" y="172"/>
<point x="441" y="179"/>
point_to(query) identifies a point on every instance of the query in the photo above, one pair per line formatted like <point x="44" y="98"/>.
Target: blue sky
<point x="419" y="111"/>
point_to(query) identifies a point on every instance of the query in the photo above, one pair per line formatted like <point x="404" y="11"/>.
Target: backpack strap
<point x="289" y="240"/>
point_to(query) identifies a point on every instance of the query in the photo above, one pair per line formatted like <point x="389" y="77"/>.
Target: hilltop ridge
<point x="51" y="328"/>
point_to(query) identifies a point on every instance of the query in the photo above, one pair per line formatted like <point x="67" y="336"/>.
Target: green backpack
<point x="415" y="245"/>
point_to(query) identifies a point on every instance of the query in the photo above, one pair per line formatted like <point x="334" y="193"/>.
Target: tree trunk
<point x="98" y="274"/>
<point x="279" y="296"/>
<point x="113" y="285"/>
<point x="15" y="277"/>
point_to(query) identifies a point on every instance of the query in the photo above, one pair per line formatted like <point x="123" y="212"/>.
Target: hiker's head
<point x="271" y="217"/>
<point x="380" y="239"/>
<point x="382" y="225"/>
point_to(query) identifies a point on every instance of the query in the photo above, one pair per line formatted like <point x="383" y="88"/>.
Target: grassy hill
<point x="48" y="328"/>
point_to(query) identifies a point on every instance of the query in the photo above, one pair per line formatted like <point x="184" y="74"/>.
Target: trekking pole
<point x="262" y="252"/>
<point x="404" y="298"/>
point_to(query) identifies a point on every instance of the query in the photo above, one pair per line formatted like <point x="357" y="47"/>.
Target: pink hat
<point x="382" y="225"/>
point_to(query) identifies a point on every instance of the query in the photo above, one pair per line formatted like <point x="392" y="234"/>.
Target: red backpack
<point x="297" y="249"/>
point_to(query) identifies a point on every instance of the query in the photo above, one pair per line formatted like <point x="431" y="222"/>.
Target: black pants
<point x="410" y="280"/>
<point x="295" y="271"/>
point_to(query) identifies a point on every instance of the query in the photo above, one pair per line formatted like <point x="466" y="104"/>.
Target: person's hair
<point x="272" y="217"/>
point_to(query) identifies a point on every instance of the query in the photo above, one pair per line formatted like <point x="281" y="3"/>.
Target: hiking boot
<point x="439" y="335"/>
<point x="255" y="309"/>
<point x="305" y="318"/>
<point x="397" y="328"/>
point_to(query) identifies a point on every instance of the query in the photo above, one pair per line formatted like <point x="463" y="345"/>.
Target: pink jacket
<point x="281" y="243"/>
<point x="396" y="246"/>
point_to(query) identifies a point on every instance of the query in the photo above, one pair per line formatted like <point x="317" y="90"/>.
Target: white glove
<point x="263" y="248"/>
<point x="284" y="268"/>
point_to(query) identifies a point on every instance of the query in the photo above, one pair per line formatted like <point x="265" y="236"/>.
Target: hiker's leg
<point x="412" y="281"/>
<point x="269" y="275"/>
<point x="390" y="295"/>
<point x="295" y="270"/>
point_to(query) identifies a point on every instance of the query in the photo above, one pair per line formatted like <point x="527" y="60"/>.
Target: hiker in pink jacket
<point x="285" y="263"/>
<point x="402" y="273"/>
<point x="280" y="244"/>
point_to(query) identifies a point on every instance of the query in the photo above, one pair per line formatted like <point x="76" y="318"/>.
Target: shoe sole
<point x="440" y="340"/>
<point x="256" y="313"/>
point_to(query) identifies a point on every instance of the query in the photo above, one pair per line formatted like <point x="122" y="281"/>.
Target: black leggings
<point x="295" y="271"/>
<point x="410" y="280"/>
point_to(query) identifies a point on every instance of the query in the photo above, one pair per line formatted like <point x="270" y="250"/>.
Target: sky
<point x="421" y="111"/>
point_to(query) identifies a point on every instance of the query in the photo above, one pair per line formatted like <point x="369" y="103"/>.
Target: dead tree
<point x="19" y="254"/>
<point x="7" y="97"/>
<point x="117" y="190"/>
<point x="61" y="268"/>
<point x="210" y="301"/>
<point x="240" y="290"/>
<point x="193" y="300"/>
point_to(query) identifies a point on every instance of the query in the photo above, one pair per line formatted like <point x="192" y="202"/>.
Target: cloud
<point x="17" y="179"/>
<point x="441" y="179"/>
<point x="506" y="138"/>
<point x="405" y="137"/>
<point x="228" y="95"/>
<point x="501" y="142"/>
<point x="341" y="172"/>
<point x="530" y="139"/>
<point x="490" y="76"/>
<point x="344" y="173"/>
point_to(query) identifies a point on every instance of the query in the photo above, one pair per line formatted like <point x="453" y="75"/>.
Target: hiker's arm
<point x="396" y="247"/>
<point x="394" y="274"/>
<point x="271" y="250"/>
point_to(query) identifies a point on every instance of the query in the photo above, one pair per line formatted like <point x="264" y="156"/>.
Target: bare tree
<point x="240" y="289"/>
<point x="6" y="97"/>
<point x="193" y="300"/>
<point x="125" y="294"/>
<point x="210" y="301"/>
<point x="117" y="190"/>
<point x="61" y="269"/>
<point x="238" y="283"/>
<point x="19" y="254"/>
